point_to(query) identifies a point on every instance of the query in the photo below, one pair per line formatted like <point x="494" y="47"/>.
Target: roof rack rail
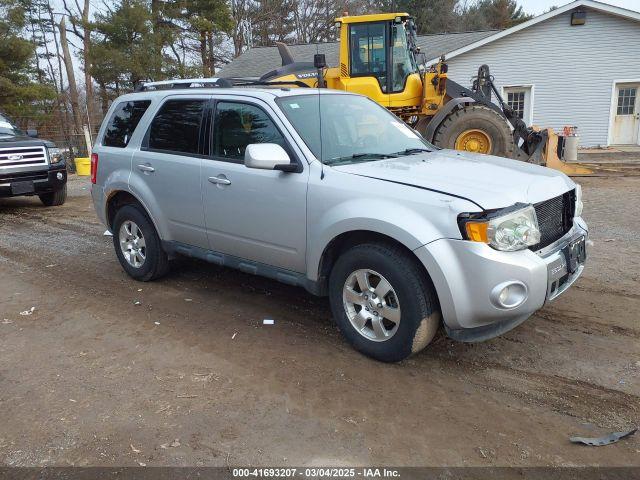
<point x="183" y="83"/>
<point x="211" y="82"/>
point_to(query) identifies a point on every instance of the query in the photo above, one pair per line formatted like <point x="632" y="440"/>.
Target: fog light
<point x="59" y="176"/>
<point x="509" y="295"/>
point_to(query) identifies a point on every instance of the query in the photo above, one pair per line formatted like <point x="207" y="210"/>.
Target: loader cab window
<point x="368" y="57"/>
<point x="402" y="62"/>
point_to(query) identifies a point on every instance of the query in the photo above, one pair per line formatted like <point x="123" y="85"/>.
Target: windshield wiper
<point x="361" y="156"/>
<point x="412" y="151"/>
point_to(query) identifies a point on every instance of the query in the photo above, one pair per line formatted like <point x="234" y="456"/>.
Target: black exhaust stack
<point x="320" y="62"/>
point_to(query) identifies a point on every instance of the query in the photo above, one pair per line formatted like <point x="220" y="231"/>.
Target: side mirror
<point x="32" y="132"/>
<point x="268" y="156"/>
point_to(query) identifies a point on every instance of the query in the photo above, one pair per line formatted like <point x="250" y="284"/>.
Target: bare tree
<point x="241" y="35"/>
<point x="48" y="26"/>
<point x="71" y="78"/>
<point x="82" y="30"/>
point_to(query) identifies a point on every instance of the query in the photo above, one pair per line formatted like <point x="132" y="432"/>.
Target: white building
<point x="557" y="73"/>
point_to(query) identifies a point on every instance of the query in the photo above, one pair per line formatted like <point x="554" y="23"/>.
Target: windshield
<point x="353" y="128"/>
<point x="8" y="128"/>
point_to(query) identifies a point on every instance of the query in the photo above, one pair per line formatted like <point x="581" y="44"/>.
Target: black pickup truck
<point x="30" y="166"/>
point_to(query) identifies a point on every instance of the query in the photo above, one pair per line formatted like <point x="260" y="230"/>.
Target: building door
<point x="626" y="121"/>
<point x="520" y="100"/>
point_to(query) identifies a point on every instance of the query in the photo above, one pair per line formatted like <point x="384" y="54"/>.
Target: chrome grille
<point x="555" y="218"/>
<point x="15" y="157"/>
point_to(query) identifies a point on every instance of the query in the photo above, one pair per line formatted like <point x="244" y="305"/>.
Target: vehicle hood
<point x="23" y="141"/>
<point x="488" y="181"/>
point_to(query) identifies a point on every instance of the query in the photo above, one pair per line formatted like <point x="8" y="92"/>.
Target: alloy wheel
<point x="132" y="244"/>
<point x="371" y="305"/>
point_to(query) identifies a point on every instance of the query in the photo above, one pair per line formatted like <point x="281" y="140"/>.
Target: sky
<point x="540" y="6"/>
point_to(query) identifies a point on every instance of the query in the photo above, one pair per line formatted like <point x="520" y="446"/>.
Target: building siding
<point x="572" y="69"/>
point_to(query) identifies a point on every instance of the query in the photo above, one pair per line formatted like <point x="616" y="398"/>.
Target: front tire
<point x="54" y="199"/>
<point x="138" y="246"/>
<point x="383" y="303"/>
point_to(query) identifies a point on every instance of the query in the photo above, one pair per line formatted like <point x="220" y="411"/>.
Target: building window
<point x="515" y="100"/>
<point x="627" y="101"/>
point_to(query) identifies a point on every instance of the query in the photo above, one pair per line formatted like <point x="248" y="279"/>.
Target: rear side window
<point x="237" y="125"/>
<point x="176" y="126"/>
<point x="123" y="122"/>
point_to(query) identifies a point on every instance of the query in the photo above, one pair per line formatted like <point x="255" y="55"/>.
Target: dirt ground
<point x="192" y="377"/>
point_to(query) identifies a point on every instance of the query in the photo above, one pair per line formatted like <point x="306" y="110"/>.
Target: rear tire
<point x="473" y="117"/>
<point x="54" y="199"/>
<point x="410" y="311"/>
<point x="138" y="246"/>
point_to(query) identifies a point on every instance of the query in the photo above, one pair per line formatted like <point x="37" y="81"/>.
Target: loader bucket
<point x="553" y="160"/>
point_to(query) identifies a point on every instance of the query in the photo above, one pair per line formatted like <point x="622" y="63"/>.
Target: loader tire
<point x="478" y="124"/>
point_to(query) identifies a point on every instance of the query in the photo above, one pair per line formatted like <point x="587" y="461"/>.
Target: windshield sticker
<point x="404" y="129"/>
<point x="294" y="105"/>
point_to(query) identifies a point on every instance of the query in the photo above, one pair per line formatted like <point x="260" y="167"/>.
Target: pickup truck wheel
<point x="382" y="302"/>
<point x="54" y="199"/>
<point x="138" y="245"/>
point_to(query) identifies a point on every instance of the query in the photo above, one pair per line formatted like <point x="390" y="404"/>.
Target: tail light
<point x="94" y="167"/>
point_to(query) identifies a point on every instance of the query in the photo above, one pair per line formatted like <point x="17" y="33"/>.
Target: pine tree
<point x="24" y="90"/>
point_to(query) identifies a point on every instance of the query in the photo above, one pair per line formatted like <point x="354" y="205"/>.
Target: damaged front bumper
<point x="469" y="277"/>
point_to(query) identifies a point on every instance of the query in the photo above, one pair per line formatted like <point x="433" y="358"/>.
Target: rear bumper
<point x="98" y="197"/>
<point x="467" y="276"/>
<point x="44" y="181"/>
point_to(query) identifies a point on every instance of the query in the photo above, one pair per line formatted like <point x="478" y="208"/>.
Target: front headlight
<point x="55" y="155"/>
<point x="507" y="230"/>
<point x="579" y="204"/>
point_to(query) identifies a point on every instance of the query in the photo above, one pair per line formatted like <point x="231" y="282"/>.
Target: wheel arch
<point x="346" y="240"/>
<point x="118" y="199"/>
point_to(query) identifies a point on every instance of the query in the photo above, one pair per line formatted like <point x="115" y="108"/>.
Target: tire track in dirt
<point x="577" y="324"/>
<point x="590" y="402"/>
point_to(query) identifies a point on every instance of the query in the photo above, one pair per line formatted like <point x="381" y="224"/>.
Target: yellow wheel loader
<point x="379" y="58"/>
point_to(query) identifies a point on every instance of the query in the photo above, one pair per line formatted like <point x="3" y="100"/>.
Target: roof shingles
<point x="260" y="60"/>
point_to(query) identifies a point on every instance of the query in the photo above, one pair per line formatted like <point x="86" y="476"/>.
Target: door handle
<point x="146" y="168"/>
<point x="220" y="180"/>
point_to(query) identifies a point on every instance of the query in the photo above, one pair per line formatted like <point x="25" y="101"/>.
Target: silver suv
<point x="329" y="191"/>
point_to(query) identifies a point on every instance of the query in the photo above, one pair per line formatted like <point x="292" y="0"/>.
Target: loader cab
<point x="376" y="58"/>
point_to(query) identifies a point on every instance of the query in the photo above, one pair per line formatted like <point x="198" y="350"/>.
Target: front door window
<point x="237" y="125"/>
<point x="627" y="101"/>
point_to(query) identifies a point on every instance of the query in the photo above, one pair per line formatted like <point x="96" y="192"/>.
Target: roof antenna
<point x="319" y="62"/>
